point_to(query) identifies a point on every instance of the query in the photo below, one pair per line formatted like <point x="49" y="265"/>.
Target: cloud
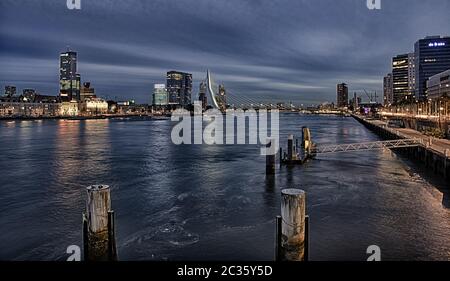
<point x="264" y="49"/>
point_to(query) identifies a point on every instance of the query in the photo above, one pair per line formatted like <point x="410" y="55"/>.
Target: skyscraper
<point x="400" y="81"/>
<point x="388" y="95"/>
<point x="202" y="95"/>
<point x="342" y="95"/>
<point x="69" y="80"/>
<point x="179" y="88"/>
<point x="432" y="56"/>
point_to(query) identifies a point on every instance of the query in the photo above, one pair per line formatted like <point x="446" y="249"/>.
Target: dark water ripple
<point x="210" y="202"/>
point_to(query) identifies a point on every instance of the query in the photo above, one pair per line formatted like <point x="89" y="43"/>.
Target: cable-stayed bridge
<point x="232" y="99"/>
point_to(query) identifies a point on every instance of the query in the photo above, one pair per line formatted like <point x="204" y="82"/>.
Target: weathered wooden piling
<point x="85" y="238"/>
<point x="293" y="230"/>
<point x="270" y="157"/>
<point x="290" y="149"/>
<point x="281" y="156"/>
<point x="98" y="225"/>
<point x="306" y="238"/>
<point x="278" y="235"/>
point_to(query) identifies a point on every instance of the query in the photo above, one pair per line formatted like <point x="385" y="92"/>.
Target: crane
<point x="371" y="96"/>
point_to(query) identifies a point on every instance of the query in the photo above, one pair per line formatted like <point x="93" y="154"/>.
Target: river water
<point x="199" y="202"/>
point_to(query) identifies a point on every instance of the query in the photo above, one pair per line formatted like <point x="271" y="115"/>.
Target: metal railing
<point x="391" y="144"/>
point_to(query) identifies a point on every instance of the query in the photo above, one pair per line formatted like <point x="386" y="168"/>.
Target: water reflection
<point x="270" y="183"/>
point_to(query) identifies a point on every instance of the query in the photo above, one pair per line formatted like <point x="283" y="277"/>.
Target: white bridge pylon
<point x="391" y="144"/>
<point x="211" y="93"/>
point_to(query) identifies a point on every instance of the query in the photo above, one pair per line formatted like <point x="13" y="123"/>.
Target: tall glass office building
<point x="432" y="56"/>
<point x="342" y="95"/>
<point x="69" y="80"/>
<point x="160" y="95"/>
<point x="400" y="78"/>
<point x="179" y="88"/>
<point x="202" y="95"/>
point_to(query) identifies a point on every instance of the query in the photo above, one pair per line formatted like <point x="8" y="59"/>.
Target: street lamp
<point x="439" y="113"/>
<point x="429" y="108"/>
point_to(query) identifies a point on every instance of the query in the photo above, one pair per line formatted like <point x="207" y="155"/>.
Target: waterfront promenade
<point x="433" y="153"/>
<point x="438" y="145"/>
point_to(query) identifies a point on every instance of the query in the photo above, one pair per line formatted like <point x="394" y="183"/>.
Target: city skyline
<point x="267" y="51"/>
<point x="198" y="136"/>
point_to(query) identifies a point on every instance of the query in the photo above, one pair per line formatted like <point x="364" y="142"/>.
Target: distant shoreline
<point x="80" y="118"/>
<point x="21" y="118"/>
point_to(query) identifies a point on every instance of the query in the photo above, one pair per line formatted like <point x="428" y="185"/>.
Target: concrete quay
<point x="433" y="153"/>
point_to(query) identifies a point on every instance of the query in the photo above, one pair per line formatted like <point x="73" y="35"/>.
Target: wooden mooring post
<point x="98" y="225"/>
<point x="281" y="156"/>
<point x="292" y="229"/>
<point x="270" y="156"/>
<point x="290" y="149"/>
<point x="278" y="234"/>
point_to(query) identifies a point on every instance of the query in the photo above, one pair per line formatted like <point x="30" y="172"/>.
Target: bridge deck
<point x="391" y="144"/>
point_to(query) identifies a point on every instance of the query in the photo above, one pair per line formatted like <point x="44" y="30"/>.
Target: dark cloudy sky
<point x="276" y="50"/>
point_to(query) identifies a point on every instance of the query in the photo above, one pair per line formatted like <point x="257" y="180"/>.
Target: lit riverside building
<point x="400" y="78"/>
<point x="86" y="92"/>
<point x="69" y="80"/>
<point x="438" y="87"/>
<point x="432" y="56"/>
<point x="159" y="95"/>
<point x="342" y="95"/>
<point x="179" y="88"/>
<point x="10" y="91"/>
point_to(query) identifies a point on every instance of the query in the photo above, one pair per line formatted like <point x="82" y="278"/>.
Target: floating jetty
<point x="296" y="155"/>
<point x="433" y="153"/>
